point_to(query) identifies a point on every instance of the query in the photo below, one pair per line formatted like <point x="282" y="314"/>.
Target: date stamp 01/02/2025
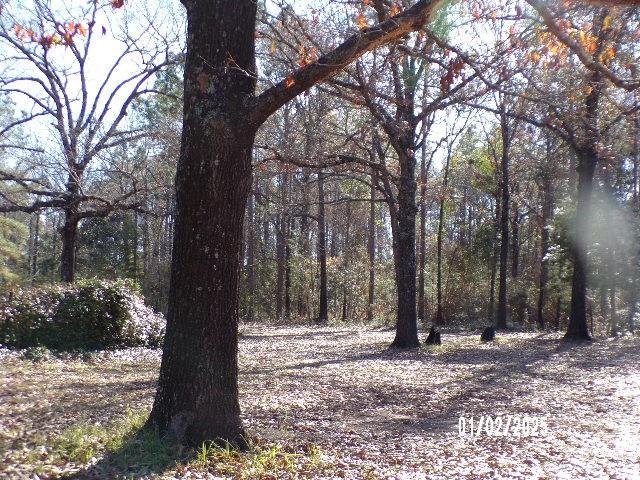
<point x="520" y="426"/>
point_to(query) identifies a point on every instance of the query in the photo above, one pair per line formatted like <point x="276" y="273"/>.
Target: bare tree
<point x="48" y="64"/>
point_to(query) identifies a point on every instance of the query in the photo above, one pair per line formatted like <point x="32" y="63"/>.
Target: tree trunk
<point x="501" y="321"/>
<point x="612" y="297"/>
<point x="423" y="233"/>
<point x="345" y="266"/>
<point x="587" y="155"/>
<point x="515" y="239"/>
<point x="136" y="240"/>
<point x="405" y="255"/>
<point x="35" y="246"/>
<point x="578" y="329"/>
<point x="304" y="247"/>
<point x="494" y="262"/>
<point x="547" y="213"/>
<point x="69" y="233"/>
<point x="280" y="267"/>
<point x="371" y="250"/>
<point x="197" y="396"/>
<point x="323" y="311"/>
<point x="287" y="270"/>
<point x="635" y="198"/>
<point x="439" y="317"/>
<point x="281" y="248"/>
<point x="251" y="241"/>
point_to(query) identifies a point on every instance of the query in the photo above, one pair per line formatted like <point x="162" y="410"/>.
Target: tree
<point x="506" y="137"/>
<point x="87" y="117"/>
<point x="197" y="396"/>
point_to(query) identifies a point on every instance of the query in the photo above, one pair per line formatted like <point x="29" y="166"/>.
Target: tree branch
<point x="355" y="46"/>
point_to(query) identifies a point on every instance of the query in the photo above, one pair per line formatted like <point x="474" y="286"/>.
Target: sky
<point x="151" y="21"/>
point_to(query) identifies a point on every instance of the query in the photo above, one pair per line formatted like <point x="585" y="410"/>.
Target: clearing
<point x="349" y="407"/>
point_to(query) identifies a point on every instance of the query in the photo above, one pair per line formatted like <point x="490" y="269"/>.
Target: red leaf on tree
<point x="289" y="81"/>
<point x="117" y="3"/>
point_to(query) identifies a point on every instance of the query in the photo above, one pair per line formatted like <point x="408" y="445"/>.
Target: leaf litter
<point x="372" y="412"/>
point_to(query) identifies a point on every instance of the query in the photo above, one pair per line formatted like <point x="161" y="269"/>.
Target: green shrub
<point x="90" y="314"/>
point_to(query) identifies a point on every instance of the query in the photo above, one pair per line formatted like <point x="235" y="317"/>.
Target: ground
<point x="333" y="402"/>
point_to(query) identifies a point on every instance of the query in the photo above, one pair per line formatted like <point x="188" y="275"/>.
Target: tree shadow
<point x="321" y="333"/>
<point x="501" y="372"/>
<point x="142" y="453"/>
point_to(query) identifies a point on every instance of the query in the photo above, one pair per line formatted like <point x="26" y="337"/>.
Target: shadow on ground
<point x="142" y="453"/>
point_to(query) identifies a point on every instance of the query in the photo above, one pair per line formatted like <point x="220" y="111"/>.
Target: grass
<point x="260" y="461"/>
<point x="125" y="449"/>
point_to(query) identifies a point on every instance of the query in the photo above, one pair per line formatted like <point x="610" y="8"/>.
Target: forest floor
<point x="334" y="402"/>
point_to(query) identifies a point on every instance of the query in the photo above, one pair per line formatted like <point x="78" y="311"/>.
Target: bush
<point x="90" y="314"/>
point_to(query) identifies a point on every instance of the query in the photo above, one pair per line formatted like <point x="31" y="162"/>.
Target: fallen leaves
<point x="373" y="412"/>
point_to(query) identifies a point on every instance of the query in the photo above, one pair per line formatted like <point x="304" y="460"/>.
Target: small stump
<point x="434" y="337"/>
<point x="488" y="335"/>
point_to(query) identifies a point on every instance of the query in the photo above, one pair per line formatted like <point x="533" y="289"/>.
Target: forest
<point x="365" y="239"/>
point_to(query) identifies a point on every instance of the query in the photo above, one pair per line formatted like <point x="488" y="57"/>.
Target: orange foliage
<point x="361" y="21"/>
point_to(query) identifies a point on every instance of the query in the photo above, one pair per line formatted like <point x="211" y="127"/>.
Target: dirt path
<point x="374" y="412"/>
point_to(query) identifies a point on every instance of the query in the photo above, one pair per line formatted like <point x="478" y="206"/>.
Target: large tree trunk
<point x="69" y="230"/>
<point x="587" y="160"/>
<point x="578" y="329"/>
<point x="405" y="256"/>
<point x="197" y="396"/>
<point x="323" y="311"/>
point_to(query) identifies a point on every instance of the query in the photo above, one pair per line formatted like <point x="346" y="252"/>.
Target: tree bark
<point x="578" y="329"/>
<point x="69" y="234"/>
<point x="197" y="396"/>
<point x="304" y="248"/>
<point x="323" y="310"/>
<point x="501" y="320"/>
<point x="587" y="154"/>
<point x="405" y="255"/>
